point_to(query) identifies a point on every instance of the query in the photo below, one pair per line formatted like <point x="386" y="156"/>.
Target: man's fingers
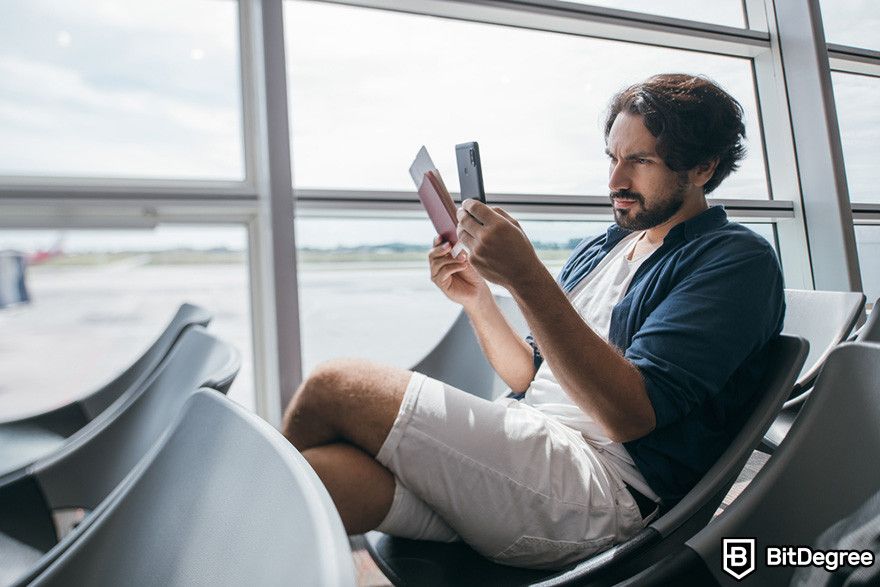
<point x="439" y="264"/>
<point x="465" y="235"/>
<point x="480" y="211"/>
<point x="439" y="251"/>
<point x="437" y="240"/>
<point x="448" y="271"/>
<point x="504" y="214"/>
<point x="463" y="215"/>
<point x="469" y="223"/>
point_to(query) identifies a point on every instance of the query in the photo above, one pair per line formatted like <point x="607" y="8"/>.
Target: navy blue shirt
<point x="695" y="321"/>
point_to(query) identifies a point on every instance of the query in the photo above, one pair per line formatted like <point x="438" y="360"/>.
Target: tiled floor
<point x="754" y="464"/>
<point x="368" y="574"/>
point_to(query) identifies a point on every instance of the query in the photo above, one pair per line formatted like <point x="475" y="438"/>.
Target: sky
<point x="151" y="90"/>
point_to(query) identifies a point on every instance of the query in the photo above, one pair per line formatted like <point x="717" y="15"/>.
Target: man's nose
<point x="618" y="178"/>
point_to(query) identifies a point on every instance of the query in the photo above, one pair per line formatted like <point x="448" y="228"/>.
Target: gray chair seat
<point x="870" y="330"/>
<point x="779" y="428"/>
<point x="97" y="458"/>
<point x="18" y="557"/>
<point x="825" y="319"/>
<point x="25" y="440"/>
<point x="458" y="360"/>
<point x="224" y="499"/>
<point x="21" y="443"/>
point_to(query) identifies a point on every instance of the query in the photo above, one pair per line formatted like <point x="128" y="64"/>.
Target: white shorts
<point x="516" y="485"/>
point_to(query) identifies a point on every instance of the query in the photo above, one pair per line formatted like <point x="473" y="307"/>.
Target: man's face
<point x="644" y="191"/>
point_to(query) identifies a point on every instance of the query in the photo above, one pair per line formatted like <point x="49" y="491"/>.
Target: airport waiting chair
<point x="411" y="562"/>
<point x="825" y="319"/>
<point x="858" y="531"/>
<point x="458" y="360"/>
<point x="870" y="330"/>
<point x="223" y="499"/>
<point x="820" y="474"/>
<point x="24" y="441"/>
<point x="97" y="458"/>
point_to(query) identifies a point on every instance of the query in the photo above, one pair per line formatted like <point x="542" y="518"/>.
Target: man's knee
<point x="316" y="389"/>
<point x="328" y="387"/>
<point x="351" y="397"/>
<point x="330" y="380"/>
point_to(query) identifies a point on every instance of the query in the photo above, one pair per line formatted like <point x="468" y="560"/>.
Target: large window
<point x="868" y="240"/>
<point x="120" y="89"/>
<point x="852" y="22"/>
<point x="857" y="98"/>
<point x="365" y="287"/>
<point x="368" y="88"/>
<point x="858" y="109"/>
<point x="98" y="299"/>
<point x="365" y="290"/>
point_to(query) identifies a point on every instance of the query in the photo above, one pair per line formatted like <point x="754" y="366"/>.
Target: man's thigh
<point x="516" y="485"/>
<point x="359" y="399"/>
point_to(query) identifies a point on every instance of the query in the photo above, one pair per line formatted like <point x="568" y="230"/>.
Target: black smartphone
<point x="470" y="172"/>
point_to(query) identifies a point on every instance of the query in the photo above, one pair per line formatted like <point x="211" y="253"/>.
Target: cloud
<point x="56" y="122"/>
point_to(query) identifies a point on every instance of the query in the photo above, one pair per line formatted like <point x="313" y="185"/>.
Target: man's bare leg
<point x="338" y="419"/>
<point x="361" y="488"/>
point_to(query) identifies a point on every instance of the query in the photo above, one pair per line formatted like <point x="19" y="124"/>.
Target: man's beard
<point x="644" y="217"/>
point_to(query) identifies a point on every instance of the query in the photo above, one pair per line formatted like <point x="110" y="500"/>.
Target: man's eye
<point x="641" y="161"/>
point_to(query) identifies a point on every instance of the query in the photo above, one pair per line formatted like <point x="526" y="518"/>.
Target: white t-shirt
<point x="594" y="297"/>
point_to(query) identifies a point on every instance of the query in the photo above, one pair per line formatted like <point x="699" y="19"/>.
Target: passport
<point x="435" y="197"/>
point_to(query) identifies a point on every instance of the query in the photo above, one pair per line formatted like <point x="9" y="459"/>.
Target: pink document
<point x="434" y="196"/>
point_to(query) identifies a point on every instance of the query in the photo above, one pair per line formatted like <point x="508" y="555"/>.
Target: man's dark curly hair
<point x="694" y="120"/>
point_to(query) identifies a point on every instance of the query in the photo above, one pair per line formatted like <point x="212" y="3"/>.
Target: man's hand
<point x="455" y="277"/>
<point x="499" y="249"/>
<point x="593" y="373"/>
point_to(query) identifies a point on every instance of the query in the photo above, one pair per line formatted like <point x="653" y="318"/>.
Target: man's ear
<point x="701" y="174"/>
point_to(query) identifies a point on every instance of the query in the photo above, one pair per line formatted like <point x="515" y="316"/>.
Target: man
<point x="641" y="366"/>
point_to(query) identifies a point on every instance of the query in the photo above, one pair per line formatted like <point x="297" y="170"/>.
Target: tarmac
<point x="86" y="324"/>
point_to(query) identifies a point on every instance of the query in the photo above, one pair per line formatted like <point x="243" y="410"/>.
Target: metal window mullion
<point x="125" y="203"/>
<point x="370" y="203"/>
<point x="866" y="213"/>
<point x="824" y="194"/>
<point x="535" y="199"/>
<point x="585" y="20"/>
<point x="47" y="187"/>
<point x="779" y="153"/>
<point x="274" y="294"/>
<point x="100" y="205"/>
<point x="854" y="60"/>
